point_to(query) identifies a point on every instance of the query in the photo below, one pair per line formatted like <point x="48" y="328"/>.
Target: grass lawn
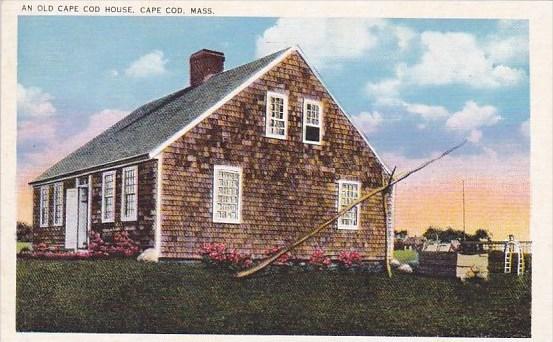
<point x="404" y="256"/>
<point x="20" y="245"/>
<point x="125" y="296"/>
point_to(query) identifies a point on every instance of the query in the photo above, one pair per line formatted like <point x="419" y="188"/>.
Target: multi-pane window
<point x="129" y="194"/>
<point x="44" y="205"/>
<point x="348" y="192"/>
<point x="58" y="204"/>
<point x="108" y="196"/>
<point x="227" y="194"/>
<point x="277" y="115"/>
<point x="312" y="122"/>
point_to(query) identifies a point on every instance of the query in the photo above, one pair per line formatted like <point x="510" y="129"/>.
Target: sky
<point x="415" y="87"/>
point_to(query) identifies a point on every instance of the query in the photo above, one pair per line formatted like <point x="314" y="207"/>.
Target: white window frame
<point x="226" y="168"/>
<point x="124" y="197"/>
<point x="112" y="219"/>
<point x="58" y="187"/>
<point x="44" y="216"/>
<point x="305" y="124"/>
<point x="284" y="97"/>
<point x="340" y="184"/>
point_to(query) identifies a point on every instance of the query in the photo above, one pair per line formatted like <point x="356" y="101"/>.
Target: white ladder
<point x="513" y="247"/>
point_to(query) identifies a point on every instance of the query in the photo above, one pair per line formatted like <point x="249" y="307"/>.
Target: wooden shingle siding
<point x="141" y="230"/>
<point x="288" y="186"/>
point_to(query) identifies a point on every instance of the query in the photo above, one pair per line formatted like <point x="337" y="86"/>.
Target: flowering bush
<point x="319" y="259"/>
<point x="349" y="259"/>
<point x="42" y="247"/>
<point x="284" y="259"/>
<point x="122" y="245"/>
<point x="216" y="254"/>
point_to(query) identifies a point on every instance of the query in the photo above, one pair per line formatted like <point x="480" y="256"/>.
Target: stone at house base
<point x="395" y="263"/>
<point x="405" y="268"/>
<point x="149" y="255"/>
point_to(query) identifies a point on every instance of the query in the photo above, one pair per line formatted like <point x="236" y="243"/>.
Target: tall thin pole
<point x="464" y="228"/>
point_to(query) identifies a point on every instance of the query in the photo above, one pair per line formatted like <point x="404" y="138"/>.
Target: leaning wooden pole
<point x="270" y="260"/>
<point x="386" y="213"/>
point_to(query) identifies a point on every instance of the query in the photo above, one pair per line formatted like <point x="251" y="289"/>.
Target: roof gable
<point x="255" y="77"/>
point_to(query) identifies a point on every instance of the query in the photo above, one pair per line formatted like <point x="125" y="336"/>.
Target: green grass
<point x="125" y="296"/>
<point x="20" y="245"/>
<point x="405" y="256"/>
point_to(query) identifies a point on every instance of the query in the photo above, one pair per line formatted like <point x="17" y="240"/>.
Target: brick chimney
<point x="204" y="64"/>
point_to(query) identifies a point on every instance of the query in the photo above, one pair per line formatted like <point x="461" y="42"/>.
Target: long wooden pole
<point x="270" y="260"/>
<point x="386" y="218"/>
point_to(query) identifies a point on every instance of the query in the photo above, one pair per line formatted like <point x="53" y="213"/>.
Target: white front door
<point x="71" y="219"/>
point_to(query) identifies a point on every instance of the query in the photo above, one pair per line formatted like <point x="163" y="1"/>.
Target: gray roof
<point x="149" y="126"/>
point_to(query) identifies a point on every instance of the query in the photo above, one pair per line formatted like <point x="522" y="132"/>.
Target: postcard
<point x="279" y="171"/>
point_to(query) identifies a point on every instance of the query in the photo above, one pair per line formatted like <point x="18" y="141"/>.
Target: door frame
<point x="88" y="210"/>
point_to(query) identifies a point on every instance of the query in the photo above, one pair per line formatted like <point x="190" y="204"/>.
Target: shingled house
<point x="253" y="157"/>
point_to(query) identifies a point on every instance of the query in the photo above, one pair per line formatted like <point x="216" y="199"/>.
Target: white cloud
<point x="329" y="41"/>
<point x="474" y="136"/>
<point x="384" y="91"/>
<point x="524" y="129"/>
<point x="323" y="40"/>
<point x="472" y="117"/>
<point x="404" y="36"/>
<point x="56" y="147"/>
<point x="37" y="130"/>
<point x="456" y="58"/>
<point x="458" y="165"/>
<point x="33" y="102"/>
<point x="427" y="112"/>
<point x="114" y="73"/>
<point x="151" y="64"/>
<point x="369" y="122"/>
<point x="513" y="49"/>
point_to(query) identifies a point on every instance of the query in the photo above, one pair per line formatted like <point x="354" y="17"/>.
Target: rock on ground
<point x="149" y="255"/>
<point x="405" y="268"/>
<point x="395" y="263"/>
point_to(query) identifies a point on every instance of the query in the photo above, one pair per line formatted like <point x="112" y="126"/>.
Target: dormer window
<point x="312" y="122"/>
<point x="276" y="119"/>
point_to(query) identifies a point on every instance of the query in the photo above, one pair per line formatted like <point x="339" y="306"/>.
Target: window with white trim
<point x="348" y="192"/>
<point x="227" y="194"/>
<point x="58" y="204"/>
<point x="276" y="119"/>
<point x="108" y="196"/>
<point x="312" y="121"/>
<point x="44" y="205"/>
<point x="129" y="193"/>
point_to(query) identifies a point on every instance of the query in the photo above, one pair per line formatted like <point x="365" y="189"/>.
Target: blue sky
<point x="415" y="86"/>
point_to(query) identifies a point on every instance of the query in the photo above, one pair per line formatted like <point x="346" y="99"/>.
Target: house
<point x="253" y="157"/>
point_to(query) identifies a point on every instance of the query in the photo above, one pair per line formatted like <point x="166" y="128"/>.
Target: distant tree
<point x="24" y="231"/>
<point x="447" y="234"/>
<point x="480" y="234"/>
<point x="432" y="233"/>
<point x="400" y="233"/>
